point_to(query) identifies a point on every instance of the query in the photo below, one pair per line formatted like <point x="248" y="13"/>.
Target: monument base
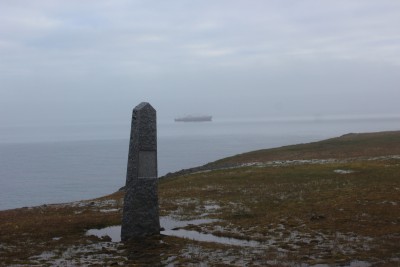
<point x="140" y="215"/>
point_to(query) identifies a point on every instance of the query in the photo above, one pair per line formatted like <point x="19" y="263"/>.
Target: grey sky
<point x="82" y="61"/>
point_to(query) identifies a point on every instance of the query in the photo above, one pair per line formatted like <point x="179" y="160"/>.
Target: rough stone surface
<point x="140" y="214"/>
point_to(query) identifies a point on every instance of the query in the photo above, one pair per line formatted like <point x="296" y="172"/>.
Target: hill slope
<point x="346" y="146"/>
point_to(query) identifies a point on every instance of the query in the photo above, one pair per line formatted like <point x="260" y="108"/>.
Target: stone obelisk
<point x="140" y="213"/>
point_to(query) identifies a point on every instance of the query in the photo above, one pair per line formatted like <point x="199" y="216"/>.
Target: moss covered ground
<point x="334" y="202"/>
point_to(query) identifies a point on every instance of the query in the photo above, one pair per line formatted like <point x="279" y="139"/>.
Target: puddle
<point x="169" y="224"/>
<point x="354" y="263"/>
<point x="194" y="235"/>
<point x="357" y="263"/>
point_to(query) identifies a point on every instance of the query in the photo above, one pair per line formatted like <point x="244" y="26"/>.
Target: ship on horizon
<point x="191" y="118"/>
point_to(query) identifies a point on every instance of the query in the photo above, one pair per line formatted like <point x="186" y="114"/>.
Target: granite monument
<point x="140" y="212"/>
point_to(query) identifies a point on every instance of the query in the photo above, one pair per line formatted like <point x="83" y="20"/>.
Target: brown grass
<point x="357" y="212"/>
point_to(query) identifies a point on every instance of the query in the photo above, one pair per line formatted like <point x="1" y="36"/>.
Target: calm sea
<point x="58" y="164"/>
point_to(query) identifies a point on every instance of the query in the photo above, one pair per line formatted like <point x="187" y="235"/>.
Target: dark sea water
<point x="41" y="165"/>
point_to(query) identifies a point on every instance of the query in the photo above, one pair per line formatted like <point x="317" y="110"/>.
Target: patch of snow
<point x="109" y="210"/>
<point x="212" y="207"/>
<point x="46" y="255"/>
<point x="114" y="232"/>
<point x="343" y="171"/>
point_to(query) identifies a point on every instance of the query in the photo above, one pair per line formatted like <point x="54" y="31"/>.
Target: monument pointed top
<point x="143" y="105"/>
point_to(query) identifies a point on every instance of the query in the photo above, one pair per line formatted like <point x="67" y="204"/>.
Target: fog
<point x="65" y="62"/>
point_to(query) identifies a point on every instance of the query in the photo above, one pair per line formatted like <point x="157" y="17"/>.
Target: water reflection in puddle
<point x="210" y="238"/>
<point x="354" y="263"/>
<point x="169" y="224"/>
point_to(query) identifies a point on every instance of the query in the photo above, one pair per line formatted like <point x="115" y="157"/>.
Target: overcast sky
<point x="93" y="61"/>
